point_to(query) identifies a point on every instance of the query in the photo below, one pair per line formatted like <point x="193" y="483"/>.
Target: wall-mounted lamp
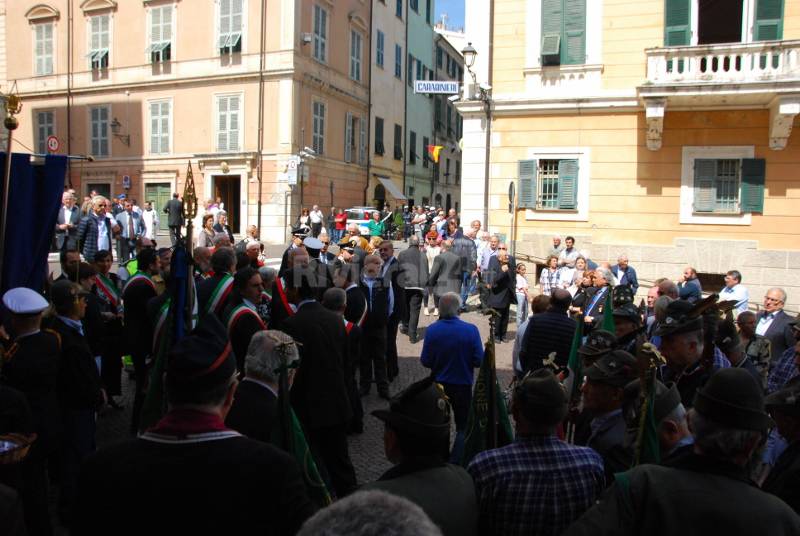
<point x="115" y="128"/>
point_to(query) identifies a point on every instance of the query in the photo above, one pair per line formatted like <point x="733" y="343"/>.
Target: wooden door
<point x="158" y="193"/>
<point x="228" y="189"/>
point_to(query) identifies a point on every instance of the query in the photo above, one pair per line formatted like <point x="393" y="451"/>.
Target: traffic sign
<point x="52" y="144"/>
<point x="291" y="169"/>
<point x="126" y="182"/>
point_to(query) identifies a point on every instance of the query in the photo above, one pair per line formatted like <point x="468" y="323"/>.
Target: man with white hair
<point x="316" y="217"/>
<point x="254" y="408"/>
<point x="96" y="229"/>
<point x="625" y="274"/>
<point x="774" y="324"/>
<point x="69" y="216"/>
<point x="557" y="247"/>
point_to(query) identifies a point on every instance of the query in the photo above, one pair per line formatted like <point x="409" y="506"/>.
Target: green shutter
<point x="769" y="20"/>
<point x="676" y="23"/>
<point x="527" y="184"/>
<point x="552" y="24"/>
<point x="705" y="194"/>
<point x="753" y="179"/>
<point x="568" y="184"/>
<point x="573" y="51"/>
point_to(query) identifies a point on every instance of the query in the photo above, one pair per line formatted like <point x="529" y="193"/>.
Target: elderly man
<point x="96" y="229"/>
<point x="557" y="246"/>
<point x="254" y="409"/>
<point x="501" y="282"/>
<point x="416" y="439"/>
<point x="412" y="281"/>
<point x="689" y="287"/>
<point x="171" y="475"/>
<point x="131" y="228"/>
<point x="773" y="322"/>
<point x="69" y="217"/>
<point x="539" y="484"/>
<point x="735" y="291"/>
<point x="708" y="491"/>
<point x="213" y="293"/>
<point x="548" y="333"/>
<point x="625" y="274"/>
<point x="316" y="218"/>
<point x="603" y="281"/>
<point x="241" y="315"/>
<point x="379" y="299"/>
<point x="202" y="263"/>
<point x="756" y="347"/>
<point x="452" y="349"/>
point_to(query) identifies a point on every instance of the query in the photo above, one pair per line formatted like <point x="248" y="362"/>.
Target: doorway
<point x="228" y="188"/>
<point x="158" y="193"/>
<point x="719" y="21"/>
<point x="102" y="188"/>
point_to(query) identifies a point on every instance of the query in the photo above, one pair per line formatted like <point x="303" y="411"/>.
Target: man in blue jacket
<point x="625" y="273"/>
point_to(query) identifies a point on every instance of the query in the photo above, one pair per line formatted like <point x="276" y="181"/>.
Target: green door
<point x="158" y="194"/>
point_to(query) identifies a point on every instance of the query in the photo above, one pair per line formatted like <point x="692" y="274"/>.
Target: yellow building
<point x="237" y="87"/>
<point x="661" y="129"/>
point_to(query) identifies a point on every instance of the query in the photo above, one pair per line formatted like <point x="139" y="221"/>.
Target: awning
<point x="394" y="191"/>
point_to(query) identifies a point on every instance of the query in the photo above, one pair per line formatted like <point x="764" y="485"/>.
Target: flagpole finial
<point x="189" y="196"/>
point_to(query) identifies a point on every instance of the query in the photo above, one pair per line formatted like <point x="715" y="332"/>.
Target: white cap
<point x="24" y="301"/>
<point x="313" y="243"/>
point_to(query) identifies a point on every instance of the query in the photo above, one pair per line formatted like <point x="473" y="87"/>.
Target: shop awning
<point x="394" y="191"/>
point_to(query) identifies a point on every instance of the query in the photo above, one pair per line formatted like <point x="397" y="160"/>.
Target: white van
<point x="360" y="216"/>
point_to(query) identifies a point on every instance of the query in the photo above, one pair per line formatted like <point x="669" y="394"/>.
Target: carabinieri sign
<point x="433" y="86"/>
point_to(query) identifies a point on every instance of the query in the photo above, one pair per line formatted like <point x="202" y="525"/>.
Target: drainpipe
<point x="69" y="92"/>
<point x="368" y="148"/>
<point x="260" y="169"/>
<point x="488" y="107"/>
<point x="405" y="102"/>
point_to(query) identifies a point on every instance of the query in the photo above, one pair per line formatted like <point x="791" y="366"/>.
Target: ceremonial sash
<point x="282" y="296"/>
<point x="108" y="289"/>
<point x="161" y="320"/>
<point x="348" y="326"/>
<point x="141" y="276"/>
<point x="239" y="311"/>
<point x="220" y="293"/>
<point x="363" y="316"/>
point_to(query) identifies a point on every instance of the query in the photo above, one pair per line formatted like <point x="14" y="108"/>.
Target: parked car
<point x="361" y="216"/>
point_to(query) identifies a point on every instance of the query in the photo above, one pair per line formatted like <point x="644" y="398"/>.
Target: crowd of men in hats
<point x="681" y="414"/>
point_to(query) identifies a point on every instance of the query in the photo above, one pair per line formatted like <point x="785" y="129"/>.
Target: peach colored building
<point x="147" y="86"/>
<point x="659" y="128"/>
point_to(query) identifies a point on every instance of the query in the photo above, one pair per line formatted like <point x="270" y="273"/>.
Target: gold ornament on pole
<point x="13" y="106"/>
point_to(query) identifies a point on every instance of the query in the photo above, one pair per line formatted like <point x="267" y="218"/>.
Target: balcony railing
<point x="767" y="61"/>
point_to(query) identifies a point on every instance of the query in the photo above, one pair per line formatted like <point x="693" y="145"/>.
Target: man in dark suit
<point x="773" y="323"/>
<point x="625" y="273"/>
<point x="174" y="211"/>
<point x="69" y="216"/>
<point x="501" y="278"/>
<point x="548" y="332"/>
<point x="138" y="291"/>
<point x="390" y="272"/>
<point x="319" y="393"/>
<point x="241" y="316"/>
<point x="445" y="273"/>
<point x="593" y="313"/>
<point x="131" y="228"/>
<point x="171" y="476"/>
<point x="412" y="280"/>
<point x="254" y="409"/>
<point x="380" y="304"/>
<point x="213" y="293"/>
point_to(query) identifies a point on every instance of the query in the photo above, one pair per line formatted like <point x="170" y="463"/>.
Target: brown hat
<point x="420" y="410"/>
<point x="732" y="397"/>
<point x="617" y="368"/>
<point x="541" y="398"/>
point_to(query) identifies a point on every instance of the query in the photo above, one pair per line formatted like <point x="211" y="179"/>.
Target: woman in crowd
<point x="548" y="280"/>
<point x="451" y="230"/>
<point x="583" y="292"/>
<point x="432" y="249"/>
<point x="305" y="219"/>
<point x="522" y="294"/>
<point x="106" y="288"/>
<point x="205" y="238"/>
<point x="570" y="278"/>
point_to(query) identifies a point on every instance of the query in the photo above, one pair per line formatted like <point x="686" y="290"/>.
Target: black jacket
<point x="413" y="268"/>
<point x="378" y="306"/>
<point x="465" y="249"/>
<point x="138" y="326"/>
<point x="69" y="236"/>
<point x="445" y="274"/>
<point x="356" y="308"/>
<point x="79" y="385"/>
<point x="546" y="332"/>
<point x="784" y="479"/>
<point x="503" y="291"/>
<point x="241" y="331"/>
<point x="204" y="291"/>
<point x="391" y="273"/>
<point x="254" y="411"/>
<point x="780" y="333"/>
<point x="174" y="208"/>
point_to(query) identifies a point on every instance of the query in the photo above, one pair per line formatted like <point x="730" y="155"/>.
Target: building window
<point x="458" y="172"/>
<point x="320" y="34"/>
<point x="548" y="184"/>
<point x="412" y="147"/>
<point x="229" y="121"/>
<point x="410" y="70"/>
<point x="428" y="11"/>
<point x="43" y="53"/>
<point x="45" y="127"/>
<point x="381" y="42"/>
<point x="159" y="127"/>
<point x="230" y="26"/>
<point x="414" y="5"/>
<point x="355" y="55"/>
<point x="439" y="56"/>
<point x="98" y="118"/>
<point x="563" y="32"/>
<point x="437" y="113"/>
<point x="449" y="119"/>
<point x="399" y="8"/>
<point x="379" y="148"/>
<point x="99" y="39"/>
<point x="398" y="142"/>
<point x="425" y="157"/>
<point x="353" y="138"/>
<point x="420" y="67"/>
<point x="398" y="62"/>
<point x="318" y="128"/>
<point x="729" y="186"/>
<point x="160" y="48"/>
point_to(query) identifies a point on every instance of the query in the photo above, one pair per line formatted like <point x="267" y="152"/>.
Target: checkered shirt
<point x="782" y="371"/>
<point x="536" y="485"/>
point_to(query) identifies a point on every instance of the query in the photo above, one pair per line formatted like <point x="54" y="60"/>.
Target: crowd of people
<point x="725" y="401"/>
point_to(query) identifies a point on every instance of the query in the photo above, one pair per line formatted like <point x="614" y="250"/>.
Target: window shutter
<point x="233" y="123"/>
<point x="769" y="20"/>
<point x="236" y="15"/>
<point x="753" y="179"/>
<point x="568" y="184"/>
<point x="222" y="125"/>
<point x="224" y="17"/>
<point x="348" y="136"/>
<point x="166" y="23"/>
<point x="573" y="52"/>
<point x="676" y="24"/>
<point x="362" y="142"/>
<point x="705" y="194"/>
<point x="551" y="27"/>
<point x="155" y="145"/>
<point x="527" y="184"/>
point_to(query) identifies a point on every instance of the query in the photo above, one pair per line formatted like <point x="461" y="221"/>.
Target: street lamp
<point x="469" y="54"/>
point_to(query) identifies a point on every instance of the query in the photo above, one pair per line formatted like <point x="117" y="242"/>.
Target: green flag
<point x="479" y="421"/>
<point x="647" y="448"/>
<point x="154" y="405"/>
<point x="608" y="311"/>
<point x="575" y="363"/>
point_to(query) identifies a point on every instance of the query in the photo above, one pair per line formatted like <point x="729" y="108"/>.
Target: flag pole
<point x="13" y="107"/>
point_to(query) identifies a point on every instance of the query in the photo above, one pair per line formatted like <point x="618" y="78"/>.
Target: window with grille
<point x="44" y="48"/>
<point x="548" y="184"/>
<point x="159" y="127"/>
<point x="230" y="26"/>
<point x="99" y="39"/>
<point x="547" y="188"/>
<point x="160" y="49"/>
<point x="716" y="185"/>
<point x="379" y="48"/>
<point x="320" y="34"/>
<point x="318" y="128"/>
<point x="98" y="118"/>
<point x="355" y="55"/>
<point x="229" y="110"/>
<point x="45" y="127"/>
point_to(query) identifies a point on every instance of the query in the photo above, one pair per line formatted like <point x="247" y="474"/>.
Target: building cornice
<point x="517" y="105"/>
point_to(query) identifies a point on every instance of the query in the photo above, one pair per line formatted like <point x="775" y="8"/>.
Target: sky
<point x="454" y="10"/>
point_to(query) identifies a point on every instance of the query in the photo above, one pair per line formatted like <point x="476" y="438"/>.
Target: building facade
<point x="447" y="125"/>
<point x="661" y="129"/>
<point x="234" y="87"/>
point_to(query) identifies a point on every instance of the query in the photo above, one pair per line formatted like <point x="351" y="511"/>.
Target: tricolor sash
<point x="108" y="291"/>
<point x="348" y="326"/>
<point x="282" y="295"/>
<point x="220" y="293"/>
<point x="141" y="276"/>
<point x="238" y="312"/>
<point x="161" y="321"/>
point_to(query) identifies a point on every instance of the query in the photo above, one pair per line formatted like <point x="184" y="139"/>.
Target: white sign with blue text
<point x="445" y="87"/>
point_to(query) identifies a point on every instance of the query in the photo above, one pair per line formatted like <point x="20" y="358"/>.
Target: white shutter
<point x="222" y="123"/>
<point x="155" y="25"/>
<point x="233" y="124"/>
<point x="166" y="23"/>
<point x="348" y="137"/>
<point x="165" y="133"/>
<point x="155" y="139"/>
<point x="224" y="17"/>
<point x="236" y="15"/>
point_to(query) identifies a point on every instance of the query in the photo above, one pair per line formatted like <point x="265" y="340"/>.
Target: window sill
<point x="554" y="215"/>
<point x="718" y="218"/>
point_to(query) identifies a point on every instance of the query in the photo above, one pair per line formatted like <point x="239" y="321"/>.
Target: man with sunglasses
<point x="773" y="322"/>
<point x="96" y="229"/>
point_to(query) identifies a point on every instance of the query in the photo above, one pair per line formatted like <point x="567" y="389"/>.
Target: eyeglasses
<point x="502" y="248"/>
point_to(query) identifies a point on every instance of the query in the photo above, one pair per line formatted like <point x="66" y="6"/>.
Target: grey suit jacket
<point x="445" y="274"/>
<point x="70" y="236"/>
<point x="780" y="333"/>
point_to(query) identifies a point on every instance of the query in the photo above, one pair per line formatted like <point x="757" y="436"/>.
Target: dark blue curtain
<point x="34" y="198"/>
